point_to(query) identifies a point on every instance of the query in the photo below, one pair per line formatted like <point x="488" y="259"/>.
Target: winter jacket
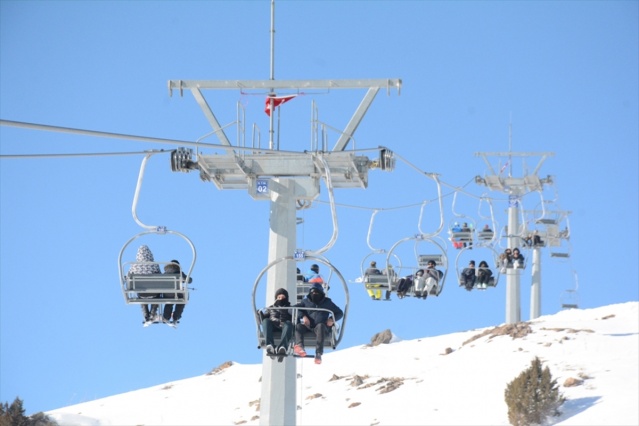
<point x="314" y="277"/>
<point x="468" y="275"/>
<point x="372" y="271"/>
<point x="173" y="269"/>
<point x="484" y="274"/>
<point x="278" y="315"/>
<point x="319" y="317"/>
<point x="436" y="274"/>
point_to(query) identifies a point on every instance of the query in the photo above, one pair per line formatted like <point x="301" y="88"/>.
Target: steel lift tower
<point x="285" y="178"/>
<point x="516" y="188"/>
<point x="549" y="220"/>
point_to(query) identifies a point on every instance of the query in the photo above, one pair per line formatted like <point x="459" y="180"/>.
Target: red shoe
<point x="318" y="359"/>
<point x="299" y="351"/>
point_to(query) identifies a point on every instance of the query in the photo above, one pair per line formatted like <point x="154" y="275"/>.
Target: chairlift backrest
<point x="423" y="260"/>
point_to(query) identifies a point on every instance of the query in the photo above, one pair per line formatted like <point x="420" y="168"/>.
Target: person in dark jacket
<point x="144" y="264"/>
<point x="406" y="283"/>
<point x="319" y="322"/>
<point x="518" y="260"/>
<point x="279" y="319"/>
<point x="484" y="275"/>
<point x="468" y="276"/>
<point x="171" y="315"/>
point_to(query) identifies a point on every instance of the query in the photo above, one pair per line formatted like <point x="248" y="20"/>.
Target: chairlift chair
<point x="486" y="235"/>
<point x="384" y="282"/>
<point x="465" y="256"/>
<point x="570" y="300"/>
<point x="438" y="255"/>
<point x="336" y="332"/>
<point x="461" y="228"/>
<point x="142" y="288"/>
<point x="160" y="288"/>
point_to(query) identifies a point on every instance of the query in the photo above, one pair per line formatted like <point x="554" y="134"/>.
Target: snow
<point x="456" y="379"/>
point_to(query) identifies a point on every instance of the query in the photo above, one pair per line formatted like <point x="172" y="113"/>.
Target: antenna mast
<point x="271" y="130"/>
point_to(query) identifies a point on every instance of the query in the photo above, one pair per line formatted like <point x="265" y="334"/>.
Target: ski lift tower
<point x="516" y="188"/>
<point x="286" y="179"/>
<point x="552" y="237"/>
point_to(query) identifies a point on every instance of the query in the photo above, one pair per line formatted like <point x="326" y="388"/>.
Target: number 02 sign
<point x="261" y="186"/>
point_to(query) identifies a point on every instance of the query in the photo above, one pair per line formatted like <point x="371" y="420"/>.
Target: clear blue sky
<point x="563" y="73"/>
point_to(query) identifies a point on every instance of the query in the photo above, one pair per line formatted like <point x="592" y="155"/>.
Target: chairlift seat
<point x="423" y="260"/>
<point x="462" y="236"/>
<point x="309" y="338"/>
<point x="163" y="288"/>
<point x="378" y="281"/>
<point x="303" y="288"/>
<point x="547" y="221"/>
<point x="330" y="340"/>
<point x="419" y="285"/>
<point x="485" y="235"/>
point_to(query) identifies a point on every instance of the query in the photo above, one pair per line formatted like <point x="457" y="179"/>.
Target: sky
<point x="436" y="376"/>
<point x="529" y="77"/>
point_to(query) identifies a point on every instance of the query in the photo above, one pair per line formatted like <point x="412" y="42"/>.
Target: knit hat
<point x="281" y="291"/>
<point x="373" y="263"/>
<point x="317" y="287"/>
<point x="144" y="262"/>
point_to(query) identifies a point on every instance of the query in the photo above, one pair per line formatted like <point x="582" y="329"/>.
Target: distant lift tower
<point x="516" y="187"/>
<point x="552" y="237"/>
<point x="285" y="178"/>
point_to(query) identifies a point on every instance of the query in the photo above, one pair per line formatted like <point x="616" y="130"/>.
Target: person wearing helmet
<point x="315" y="320"/>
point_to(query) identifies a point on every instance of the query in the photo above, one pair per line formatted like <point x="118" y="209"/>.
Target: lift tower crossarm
<point x="210" y="116"/>
<point x="373" y="85"/>
<point x="356" y="119"/>
<point x="284" y="84"/>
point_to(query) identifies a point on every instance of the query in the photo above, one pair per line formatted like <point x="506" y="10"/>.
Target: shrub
<point x="533" y="396"/>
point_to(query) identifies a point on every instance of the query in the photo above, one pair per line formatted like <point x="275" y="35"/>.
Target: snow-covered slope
<point x="453" y="379"/>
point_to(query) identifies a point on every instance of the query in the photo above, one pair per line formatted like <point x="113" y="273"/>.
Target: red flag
<point x="277" y="101"/>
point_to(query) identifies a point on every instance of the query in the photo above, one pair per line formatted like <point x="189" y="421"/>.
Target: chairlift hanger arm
<point x="370" y="231"/>
<point x="331" y="197"/>
<point x="136" y="196"/>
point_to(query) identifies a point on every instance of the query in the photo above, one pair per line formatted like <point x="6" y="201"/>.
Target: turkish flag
<point x="277" y="101"/>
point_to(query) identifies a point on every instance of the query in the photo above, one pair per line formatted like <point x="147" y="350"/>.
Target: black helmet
<point x="315" y="268"/>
